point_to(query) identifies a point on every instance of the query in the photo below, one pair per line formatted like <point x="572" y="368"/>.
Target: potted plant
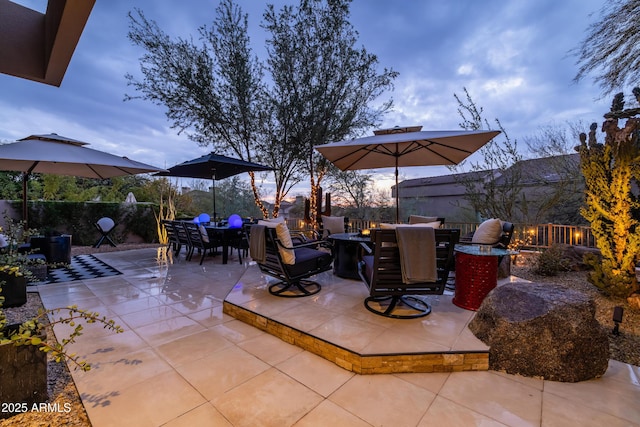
<point x="18" y="263"/>
<point x="14" y="262"/>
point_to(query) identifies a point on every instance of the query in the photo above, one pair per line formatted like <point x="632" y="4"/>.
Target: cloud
<point x="511" y="56"/>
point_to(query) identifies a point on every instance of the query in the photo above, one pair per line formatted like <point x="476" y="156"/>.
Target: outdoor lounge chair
<point x="273" y="256"/>
<point x="105" y="226"/>
<point x="380" y="269"/>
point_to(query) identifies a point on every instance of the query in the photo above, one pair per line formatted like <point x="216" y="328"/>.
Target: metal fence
<point x="530" y="235"/>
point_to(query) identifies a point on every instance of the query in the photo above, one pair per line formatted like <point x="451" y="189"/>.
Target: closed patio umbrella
<point x="213" y="166"/>
<point x="405" y="146"/>
<point x="59" y="155"/>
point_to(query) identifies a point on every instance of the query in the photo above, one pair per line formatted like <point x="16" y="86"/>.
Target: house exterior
<point x="549" y="189"/>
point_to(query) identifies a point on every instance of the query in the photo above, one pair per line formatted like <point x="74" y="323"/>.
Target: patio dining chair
<point x="172" y="236"/>
<point x="105" y="226"/>
<point x="183" y="236"/>
<point x="240" y="242"/>
<point x="198" y="239"/>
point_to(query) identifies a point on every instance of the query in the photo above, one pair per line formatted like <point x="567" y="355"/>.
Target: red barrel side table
<point x="476" y="274"/>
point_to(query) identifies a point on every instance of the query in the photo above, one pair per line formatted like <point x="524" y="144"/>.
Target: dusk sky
<point x="512" y="56"/>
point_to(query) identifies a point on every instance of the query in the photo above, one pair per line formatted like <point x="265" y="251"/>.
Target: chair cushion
<point x="488" y="233"/>
<point x="308" y="259"/>
<point x="203" y="233"/>
<point x="415" y="219"/>
<point x="334" y="224"/>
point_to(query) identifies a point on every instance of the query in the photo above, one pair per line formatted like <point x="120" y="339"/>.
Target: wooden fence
<point x="531" y="235"/>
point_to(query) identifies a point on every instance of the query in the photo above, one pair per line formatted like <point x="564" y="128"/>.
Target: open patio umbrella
<point x="405" y="146"/>
<point x="213" y="166"/>
<point x="59" y="155"/>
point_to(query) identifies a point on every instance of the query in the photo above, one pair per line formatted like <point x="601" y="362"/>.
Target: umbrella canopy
<point x="58" y="155"/>
<point x="406" y="146"/>
<point x="213" y="166"/>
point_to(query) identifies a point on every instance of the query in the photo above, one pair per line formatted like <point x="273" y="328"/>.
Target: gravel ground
<point x="62" y="390"/>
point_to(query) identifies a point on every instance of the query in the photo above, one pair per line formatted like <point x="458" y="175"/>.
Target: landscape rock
<point x="634" y="301"/>
<point x="542" y="330"/>
<point x="575" y="256"/>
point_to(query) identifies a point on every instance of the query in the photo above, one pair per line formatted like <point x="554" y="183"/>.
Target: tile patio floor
<point x="182" y="362"/>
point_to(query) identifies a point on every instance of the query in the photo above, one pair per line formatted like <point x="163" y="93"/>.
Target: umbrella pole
<point x="25" y="210"/>
<point x="215" y="215"/>
<point x="397" y="196"/>
<point x="397" y="189"/>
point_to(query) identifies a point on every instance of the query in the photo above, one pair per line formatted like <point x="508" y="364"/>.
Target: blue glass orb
<point x="204" y="218"/>
<point x="235" y="221"/>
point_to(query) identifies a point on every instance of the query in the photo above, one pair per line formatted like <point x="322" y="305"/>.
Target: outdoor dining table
<point x="225" y="235"/>
<point x="345" y="253"/>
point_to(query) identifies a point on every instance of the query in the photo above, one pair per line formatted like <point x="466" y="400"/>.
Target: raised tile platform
<point x="335" y="325"/>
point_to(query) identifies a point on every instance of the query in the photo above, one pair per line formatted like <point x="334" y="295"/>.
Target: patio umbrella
<point x="213" y="166"/>
<point x="405" y="146"/>
<point x="59" y="155"/>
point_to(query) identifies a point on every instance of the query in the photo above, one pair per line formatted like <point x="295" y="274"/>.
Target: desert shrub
<point x="552" y="261"/>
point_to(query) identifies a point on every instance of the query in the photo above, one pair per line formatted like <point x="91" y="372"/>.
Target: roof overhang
<point x="39" y="46"/>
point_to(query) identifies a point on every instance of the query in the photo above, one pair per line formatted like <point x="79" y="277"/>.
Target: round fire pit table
<point x="345" y="253"/>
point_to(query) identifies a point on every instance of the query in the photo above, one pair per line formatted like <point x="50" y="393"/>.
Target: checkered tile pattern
<point x="82" y="267"/>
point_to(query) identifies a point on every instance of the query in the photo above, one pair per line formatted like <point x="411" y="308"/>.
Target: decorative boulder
<point x="542" y="330"/>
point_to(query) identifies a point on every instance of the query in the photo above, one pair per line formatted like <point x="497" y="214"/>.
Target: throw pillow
<point x="288" y="255"/>
<point x="488" y="233"/>
<point x="282" y="232"/>
<point x="415" y="219"/>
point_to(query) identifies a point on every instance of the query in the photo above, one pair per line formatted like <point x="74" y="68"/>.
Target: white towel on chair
<point x="417" y="246"/>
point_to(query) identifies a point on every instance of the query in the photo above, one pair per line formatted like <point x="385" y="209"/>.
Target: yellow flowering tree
<point x="609" y="170"/>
